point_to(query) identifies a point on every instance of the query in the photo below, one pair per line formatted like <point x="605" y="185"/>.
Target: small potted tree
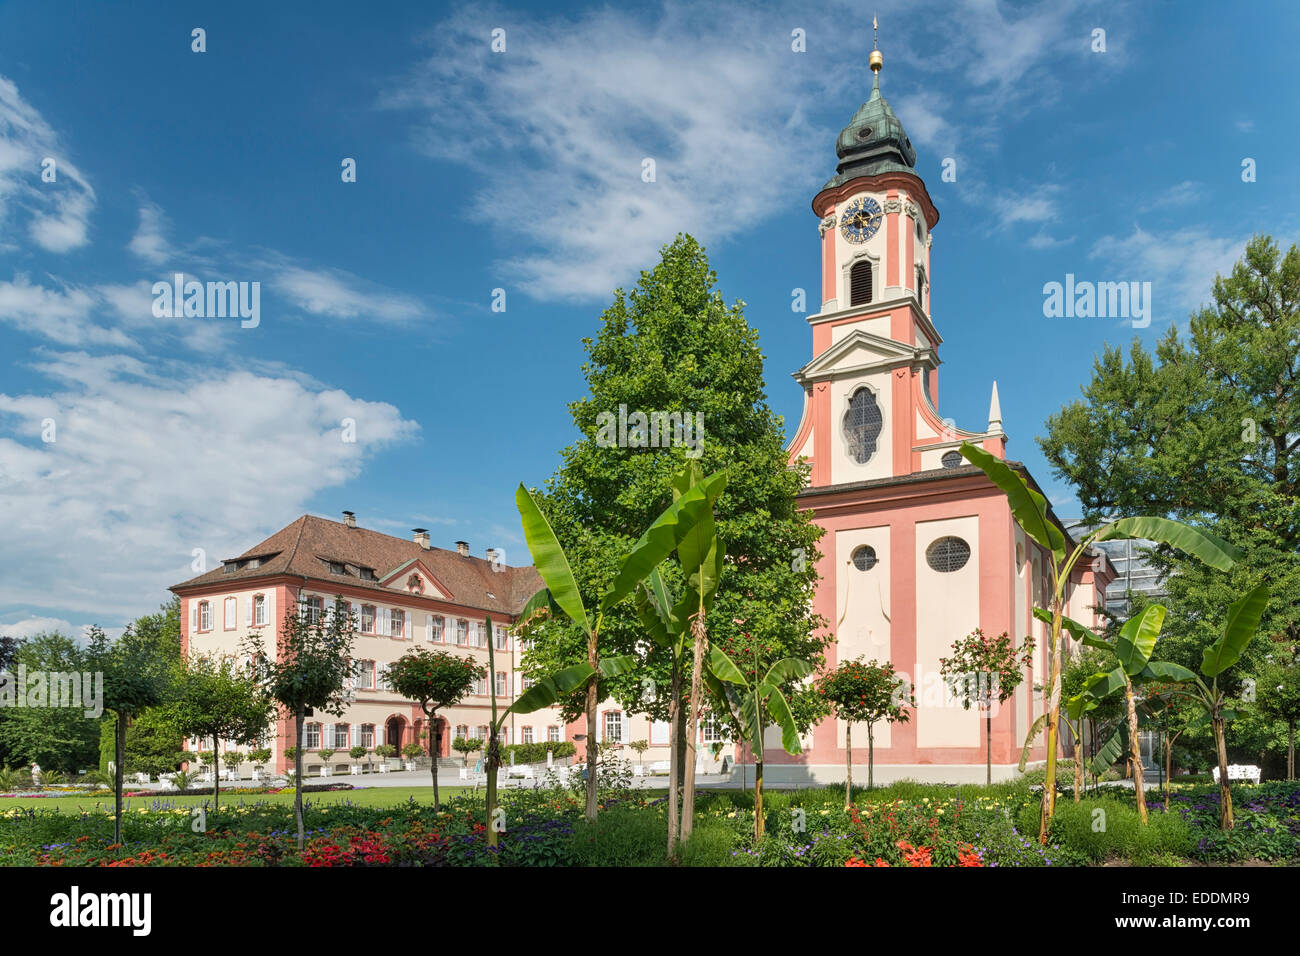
<point x="356" y="753"/>
<point x="410" y="752"/>
<point x="260" y="757"/>
<point x="466" y="746"/>
<point x="207" y="763"/>
<point x="385" y="753"/>
<point x="325" y="755"/>
<point x="233" y="761"/>
<point x="639" y="747"/>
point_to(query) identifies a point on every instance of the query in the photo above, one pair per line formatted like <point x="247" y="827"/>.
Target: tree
<point x="867" y="693"/>
<point x="639" y="747"/>
<point x="435" y="680"/>
<point x="983" y="669"/>
<point x="755" y="702"/>
<point x="312" y="665"/>
<point x="1279" y="692"/>
<point x="56" y="738"/>
<point x="326" y="754"/>
<point x="466" y="746"/>
<point x="561" y="597"/>
<point x="135" y="679"/>
<point x="221" y="698"/>
<point x="672" y="346"/>
<point x="357" y="752"/>
<point x="1030" y="511"/>
<point x="1203" y="428"/>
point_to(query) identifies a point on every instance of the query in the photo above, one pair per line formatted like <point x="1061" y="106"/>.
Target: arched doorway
<point x="443" y="731"/>
<point x="394" y="731"/>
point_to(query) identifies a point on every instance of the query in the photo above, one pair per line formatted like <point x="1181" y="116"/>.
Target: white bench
<point x="1239" y="772"/>
<point x="141" y="778"/>
<point x="660" y="766"/>
<point x="522" y="770"/>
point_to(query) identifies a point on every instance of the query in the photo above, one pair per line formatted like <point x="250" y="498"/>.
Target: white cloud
<point x="339" y="295"/>
<point x="58" y="212"/>
<point x="31" y="626"/>
<point x="150" y="242"/>
<point x="65" y="316"/>
<point x="149" y="463"/>
<point x="1182" y="194"/>
<point x="1180" y="265"/>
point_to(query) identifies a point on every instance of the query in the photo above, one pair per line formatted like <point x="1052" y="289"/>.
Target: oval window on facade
<point x="951" y="459"/>
<point x="947" y="554"/>
<point x="862" y="425"/>
<point x="864" y="557"/>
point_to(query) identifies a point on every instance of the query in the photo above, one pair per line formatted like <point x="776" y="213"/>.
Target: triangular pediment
<point x="413" y="577"/>
<point x="861" y="351"/>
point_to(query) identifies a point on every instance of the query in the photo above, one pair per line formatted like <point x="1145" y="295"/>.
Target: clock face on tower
<point x="860" y="220"/>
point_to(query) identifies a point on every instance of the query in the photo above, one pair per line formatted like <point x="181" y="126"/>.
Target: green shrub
<point x="1103" y="829"/>
<point x="712" y="844"/>
<point x="621" y="837"/>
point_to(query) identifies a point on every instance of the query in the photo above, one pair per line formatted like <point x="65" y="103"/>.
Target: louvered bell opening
<point x="860" y="284"/>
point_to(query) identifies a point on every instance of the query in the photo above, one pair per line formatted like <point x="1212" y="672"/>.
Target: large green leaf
<point x="1075" y="629"/>
<point x="1099" y="686"/>
<point x="652" y="610"/>
<point x="1167" y="671"/>
<point x="1214" y="551"/>
<point x="723" y="667"/>
<point x="548" y="690"/>
<point x="1078" y="705"/>
<point x="1027" y="506"/>
<point x="784" y="670"/>
<point x="779" y="708"/>
<point x="538" y="602"/>
<point x="1111" y="750"/>
<point x="1137" y="639"/>
<point x="1035" y="729"/>
<point x="1243" y="621"/>
<point x="664" y="536"/>
<point x="550" y="560"/>
<point x="623" y="664"/>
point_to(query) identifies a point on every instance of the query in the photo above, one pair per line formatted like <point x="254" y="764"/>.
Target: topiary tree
<point x="385" y="751"/>
<point x="326" y="756"/>
<point x="313" y="664"/>
<point x="411" y="751"/>
<point x="859" y="693"/>
<point x="983" y="670"/>
<point x="639" y="747"/>
<point x="357" y="752"/>
<point x="466" y="746"/>
<point x="435" y="680"/>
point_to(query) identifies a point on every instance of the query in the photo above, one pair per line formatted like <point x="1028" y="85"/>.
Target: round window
<point x="951" y="459"/>
<point x="864" y="557"/>
<point x="947" y="554"/>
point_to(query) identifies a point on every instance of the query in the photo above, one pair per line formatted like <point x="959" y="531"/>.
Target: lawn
<point x="906" y="824"/>
<point x="103" y="799"/>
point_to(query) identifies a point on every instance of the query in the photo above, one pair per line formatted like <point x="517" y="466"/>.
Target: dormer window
<point x="231" y="567"/>
<point x="862" y="425"/>
<point x="367" y="574"/>
<point x="253" y="563"/>
<point x="338" y="567"/>
<point x="860" y="291"/>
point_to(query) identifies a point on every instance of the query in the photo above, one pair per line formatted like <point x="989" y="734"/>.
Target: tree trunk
<point x="848" y="764"/>
<point x="1225" y="794"/>
<point x="674" y="758"/>
<point x="119" y="752"/>
<point x="493" y="761"/>
<point x="692" y="723"/>
<point x="1135" y="751"/>
<point x="988" y="749"/>
<point x="1052" y="701"/>
<point x="594" y="662"/>
<point x="216" y="774"/>
<point x="1078" y="763"/>
<point x="871" y="756"/>
<point x="1290" y="750"/>
<point x="1169" y="767"/>
<point x="297" y="777"/>
<point x="758" y="798"/>
<point x="435" y="749"/>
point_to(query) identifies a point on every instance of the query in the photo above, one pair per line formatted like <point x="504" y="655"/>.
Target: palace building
<point x="920" y="547"/>
<point x="401" y="593"/>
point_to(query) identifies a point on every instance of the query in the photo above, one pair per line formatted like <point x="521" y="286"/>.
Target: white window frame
<point x="205" y="615"/>
<point x="528" y="735"/>
<point x="312" y="729"/>
<point x="616" y="725"/>
<point x="259" y="610"/>
<point x="553" y="734"/>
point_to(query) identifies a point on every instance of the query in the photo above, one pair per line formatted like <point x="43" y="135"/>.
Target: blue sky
<point x="521" y="170"/>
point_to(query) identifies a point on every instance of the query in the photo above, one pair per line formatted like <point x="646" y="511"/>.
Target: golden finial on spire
<point x="877" y="61"/>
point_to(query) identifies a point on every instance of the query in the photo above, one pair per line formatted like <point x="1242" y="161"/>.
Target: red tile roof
<point x="307" y="545"/>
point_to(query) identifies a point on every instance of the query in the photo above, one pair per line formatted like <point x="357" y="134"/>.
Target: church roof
<point x="874" y="142"/>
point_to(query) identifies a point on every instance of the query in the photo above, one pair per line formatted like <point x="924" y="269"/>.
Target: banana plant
<point x="1031" y="512"/>
<point x="755" y="703"/>
<point x="562" y="596"/>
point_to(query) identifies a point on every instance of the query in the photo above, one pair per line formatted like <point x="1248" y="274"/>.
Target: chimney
<point x="462" y="548"/>
<point x="349" y="519"/>
<point x="492" y="555"/>
<point x="421" y="537"/>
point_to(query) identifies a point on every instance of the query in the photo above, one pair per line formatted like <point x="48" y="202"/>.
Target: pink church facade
<point x="920" y="547"/>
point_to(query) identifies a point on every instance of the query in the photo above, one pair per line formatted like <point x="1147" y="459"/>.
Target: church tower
<point x="920" y="548"/>
<point x="872" y="387"/>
